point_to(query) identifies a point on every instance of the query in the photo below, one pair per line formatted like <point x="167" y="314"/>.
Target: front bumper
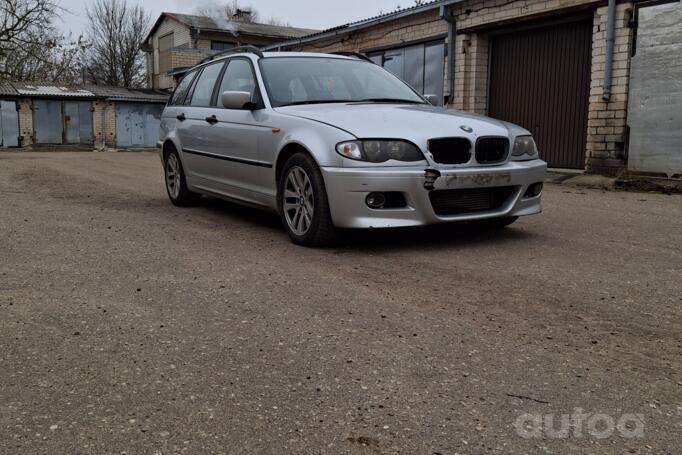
<point x="347" y="189"/>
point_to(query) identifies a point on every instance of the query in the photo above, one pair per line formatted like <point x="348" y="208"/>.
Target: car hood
<point x="416" y="123"/>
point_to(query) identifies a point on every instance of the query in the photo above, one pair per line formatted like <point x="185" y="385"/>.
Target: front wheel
<point x="303" y="203"/>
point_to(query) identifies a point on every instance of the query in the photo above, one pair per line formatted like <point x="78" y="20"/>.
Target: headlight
<point x="524" y="149"/>
<point x="379" y="151"/>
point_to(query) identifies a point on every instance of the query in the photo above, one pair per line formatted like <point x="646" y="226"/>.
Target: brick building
<point x="35" y="114"/>
<point x="179" y="41"/>
<point x="540" y="63"/>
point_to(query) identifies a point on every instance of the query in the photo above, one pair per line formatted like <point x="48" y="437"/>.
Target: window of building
<point x="165" y="59"/>
<point x="422" y="66"/>
<point x="221" y="45"/>
<point x="203" y="90"/>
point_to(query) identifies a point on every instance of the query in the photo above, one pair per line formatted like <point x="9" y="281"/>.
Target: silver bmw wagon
<point x="335" y="141"/>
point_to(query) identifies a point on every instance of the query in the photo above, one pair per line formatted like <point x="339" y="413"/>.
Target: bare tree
<point x="50" y="57"/>
<point x="30" y="46"/>
<point x="116" y="31"/>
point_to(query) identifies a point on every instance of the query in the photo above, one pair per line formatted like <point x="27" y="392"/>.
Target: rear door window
<point x="203" y="90"/>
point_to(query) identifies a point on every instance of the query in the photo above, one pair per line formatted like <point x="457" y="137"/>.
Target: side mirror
<point x="237" y="100"/>
<point x="434" y="100"/>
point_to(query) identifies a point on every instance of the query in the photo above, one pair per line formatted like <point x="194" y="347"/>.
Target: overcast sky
<point x="317" y="14"/>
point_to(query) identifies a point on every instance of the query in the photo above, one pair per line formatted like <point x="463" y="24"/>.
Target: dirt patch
<point x="366" y="441"/>
<point x="82" y="191"/>
<point x="642" y="185"/>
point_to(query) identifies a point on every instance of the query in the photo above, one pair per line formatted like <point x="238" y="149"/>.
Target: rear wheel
<point x="303" y="203"/>
<point x="176" y="184"/>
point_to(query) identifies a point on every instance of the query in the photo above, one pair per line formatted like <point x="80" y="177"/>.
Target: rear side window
<point x="203" y="90"/>
<point x="182" y="89"/>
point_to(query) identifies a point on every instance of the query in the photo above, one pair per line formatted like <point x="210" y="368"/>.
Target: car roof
<point x="277" y="54"/>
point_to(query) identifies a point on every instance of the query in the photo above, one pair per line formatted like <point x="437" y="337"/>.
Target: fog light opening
<point x="534" y="190"/>
<point x="375" y="200"/>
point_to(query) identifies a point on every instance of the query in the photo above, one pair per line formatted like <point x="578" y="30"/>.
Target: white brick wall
<point x="607" y="120"/>
<point x="25" y="122"/>
<point x="181" y="38"/>
<point x="104" y="123"/>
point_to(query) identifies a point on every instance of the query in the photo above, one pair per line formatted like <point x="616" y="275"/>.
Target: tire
<point x="176" y="184"/>
<point x="302" y="191"/>
<point x="497" y="223"/>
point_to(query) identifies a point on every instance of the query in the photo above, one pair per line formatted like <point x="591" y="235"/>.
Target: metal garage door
<point x="48" y="122"/>
<point x="540" y="79"/>
<point x="78" y="122"/>
<point x="655" y="107"/>
<point x="137" y="124"/>
<point x="9" y="124"/>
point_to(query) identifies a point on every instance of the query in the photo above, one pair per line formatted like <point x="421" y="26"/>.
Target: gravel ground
<point x="130" y="326"/>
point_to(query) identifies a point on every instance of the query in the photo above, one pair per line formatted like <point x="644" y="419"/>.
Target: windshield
<point x="311" y="80"/>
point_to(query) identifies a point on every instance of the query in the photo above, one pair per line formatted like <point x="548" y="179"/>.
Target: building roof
<point x="51" y="90"/>
<point x="7" y="89"/>
<point x="363" y="23"/>
<point x="126" y="94"/>
<point x="35" y="89"/>
<point x="235" y="27"/>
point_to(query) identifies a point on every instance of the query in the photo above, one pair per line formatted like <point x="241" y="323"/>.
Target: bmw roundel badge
<point x="467" y="129"/>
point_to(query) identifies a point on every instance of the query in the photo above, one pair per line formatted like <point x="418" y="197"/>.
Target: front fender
<point x="317" y="138"/>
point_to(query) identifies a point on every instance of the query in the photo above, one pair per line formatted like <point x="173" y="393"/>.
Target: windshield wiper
<point x="301" y="103"/>
<point x="390" y="100"/>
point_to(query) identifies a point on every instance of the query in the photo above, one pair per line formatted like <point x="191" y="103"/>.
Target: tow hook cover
<point x="430" y="177"/>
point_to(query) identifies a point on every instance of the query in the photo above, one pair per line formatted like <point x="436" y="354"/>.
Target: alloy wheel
<point x="173" y="176"/>
<point x="299" y="202"/>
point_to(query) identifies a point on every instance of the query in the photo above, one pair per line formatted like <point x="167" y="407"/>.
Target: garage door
<point x="137" y="124"/>
<point x="48" y="122"/>
<point x="78" y="122"/>
<point x="9" y="124"/>
<point x="540" y="79"/>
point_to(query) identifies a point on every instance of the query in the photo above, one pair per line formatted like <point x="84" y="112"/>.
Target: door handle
<point x="181" y="117"/>
<point x="212" y="120"/>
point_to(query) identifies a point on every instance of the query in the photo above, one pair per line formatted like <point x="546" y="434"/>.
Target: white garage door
<point x="137" y="124"/>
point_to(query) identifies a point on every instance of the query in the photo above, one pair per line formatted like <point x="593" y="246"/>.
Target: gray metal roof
<point x="127" y="94"/>
<point x="34" y="89"/>
<point x="51" y="90"/>
<point x="6" y="89"/>
<point x="346" y="28"/>
<point x="244" y="28"/>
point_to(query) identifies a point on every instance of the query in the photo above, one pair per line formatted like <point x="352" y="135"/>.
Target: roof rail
<point x="235" y="50"/>
<point x="354" y="54"/>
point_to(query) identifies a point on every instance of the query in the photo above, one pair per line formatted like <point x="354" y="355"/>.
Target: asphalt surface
<point x="130" y="326"/>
